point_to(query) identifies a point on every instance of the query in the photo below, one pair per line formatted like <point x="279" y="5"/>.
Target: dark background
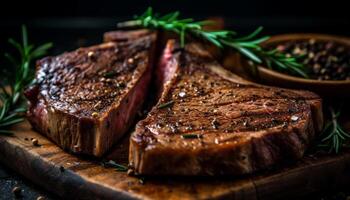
<point x="71" y="23"/>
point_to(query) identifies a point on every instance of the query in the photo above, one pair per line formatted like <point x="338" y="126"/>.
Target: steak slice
<point x="85" y="100"/>
<point x="209" y="121"/>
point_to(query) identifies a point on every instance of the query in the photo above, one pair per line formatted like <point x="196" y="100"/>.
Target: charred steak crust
<point x="232" y="126"/>
<point x="85" y="100"/>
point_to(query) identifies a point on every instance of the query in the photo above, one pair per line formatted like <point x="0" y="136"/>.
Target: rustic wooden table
<point x="30" y="191"/>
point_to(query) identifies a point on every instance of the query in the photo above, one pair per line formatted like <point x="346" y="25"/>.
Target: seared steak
<point x="211" y="122"/>
<point x="86" y="100"/>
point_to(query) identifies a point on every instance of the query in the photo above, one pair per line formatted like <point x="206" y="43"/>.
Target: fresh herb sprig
<point x="249" y="46"/>
<point x="191" y="136"/>
<point x="11" y="105"/>
<point x="334" y="137"/>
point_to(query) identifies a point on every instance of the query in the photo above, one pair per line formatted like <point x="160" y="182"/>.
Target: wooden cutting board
<point x="86" y="178"/>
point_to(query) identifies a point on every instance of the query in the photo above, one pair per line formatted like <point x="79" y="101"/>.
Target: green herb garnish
<point x="334" y="137"/>
<point x="118" y="167"/>
<point x="164" y="105"/>
<point x="142" y="180"/>
<point x="249" y="46"/>
<point x="110" y="74"/>
<point x="190" y="136"/>
<point x="12" y="105"/>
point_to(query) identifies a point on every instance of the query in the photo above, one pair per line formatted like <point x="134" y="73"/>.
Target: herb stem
<point x="249" y="45"/>
<point x="164" y="105"/>
<point x="129" y="24"/>
<point x="334" y="118"/>
<point x="113" y="164"/>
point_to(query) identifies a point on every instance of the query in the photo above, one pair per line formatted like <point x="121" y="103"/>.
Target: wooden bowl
<point x="333" y="88"/>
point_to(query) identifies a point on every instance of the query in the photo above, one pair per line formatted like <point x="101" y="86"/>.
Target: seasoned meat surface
<point x="209" y="121"/>
<point x="85" y="100"/>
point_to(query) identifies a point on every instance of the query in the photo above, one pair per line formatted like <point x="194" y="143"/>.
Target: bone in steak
<point x="210" y="122"/>
<point x="86" y="100"/>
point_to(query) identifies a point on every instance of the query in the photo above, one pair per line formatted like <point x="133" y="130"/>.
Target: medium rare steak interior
<point x="211" y="122"/>
<point x="86" y="100"/>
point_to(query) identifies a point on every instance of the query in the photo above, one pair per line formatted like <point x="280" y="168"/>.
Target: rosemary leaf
<point x="164" y="105"/>
<point x="4" y="108"/>
<point x="24" y="37"/>
<point x="110" y="74"/>
<point x="190" y="136"/>
<point x="20" y="110"/>
<point x="11" y="122"/>
<point x="251" y="35"/>
<point x="41" y="50"/>
<point x="10" y="116"/>
<point x="249" y="54"/>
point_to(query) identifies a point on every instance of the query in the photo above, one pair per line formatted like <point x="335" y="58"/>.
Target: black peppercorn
<point x="326" y="60"/>
<point x="17" y="191"/>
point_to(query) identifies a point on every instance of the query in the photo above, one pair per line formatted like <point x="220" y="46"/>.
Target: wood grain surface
<point x="86" y="178"/>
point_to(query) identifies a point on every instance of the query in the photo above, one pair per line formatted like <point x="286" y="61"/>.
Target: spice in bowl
<point x="324" y="60"/>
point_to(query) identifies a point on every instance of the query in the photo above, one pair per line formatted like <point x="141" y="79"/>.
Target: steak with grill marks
<point x="87" y="99"/>
<point x="211" y="122"/>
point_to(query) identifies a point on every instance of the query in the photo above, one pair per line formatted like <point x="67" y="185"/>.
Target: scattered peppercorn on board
<point x="70" y="176"/>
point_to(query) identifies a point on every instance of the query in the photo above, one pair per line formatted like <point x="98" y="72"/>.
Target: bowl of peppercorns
<point x="325" y="59"/>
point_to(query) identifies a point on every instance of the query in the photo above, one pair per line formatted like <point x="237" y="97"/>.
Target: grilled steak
<point x="86" y="100"/>
<point x="211" y="122"/>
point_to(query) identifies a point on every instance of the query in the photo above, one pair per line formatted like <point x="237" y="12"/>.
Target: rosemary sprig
<point x="334" y="137"/>
<point x="249" y="46"/>
<point x="11" y="105"/>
